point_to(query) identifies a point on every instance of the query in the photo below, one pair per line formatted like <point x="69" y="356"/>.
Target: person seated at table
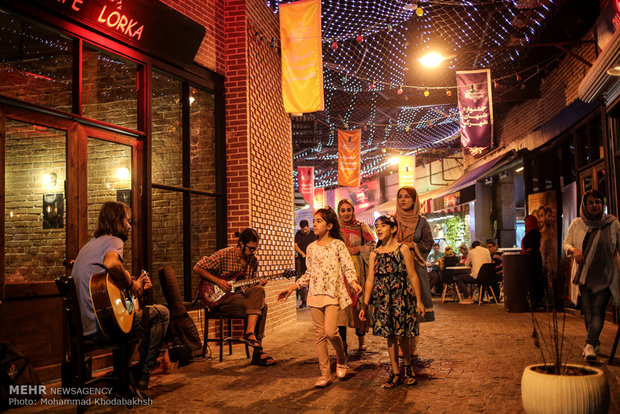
<point x="496" y="256"/>
<point x="476" y="257"/>
<point x="433" y="275"/>
<point x="463" y="250"/>
<point x="448" y="259"/>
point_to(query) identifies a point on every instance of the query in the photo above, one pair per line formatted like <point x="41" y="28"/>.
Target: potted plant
<point x="556" y="386"/>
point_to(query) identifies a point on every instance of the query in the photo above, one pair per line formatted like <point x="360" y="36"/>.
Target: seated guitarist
<point x="105" y="253"/>
<point x="222" y="267"/>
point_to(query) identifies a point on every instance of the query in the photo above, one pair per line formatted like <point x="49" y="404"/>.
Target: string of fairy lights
<point x="368" y="53"/>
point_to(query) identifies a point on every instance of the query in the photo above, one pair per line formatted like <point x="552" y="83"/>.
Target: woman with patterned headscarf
<point x="360" y="242"/>
<point x="415" y="233"/>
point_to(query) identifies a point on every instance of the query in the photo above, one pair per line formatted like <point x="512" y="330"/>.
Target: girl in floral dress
<point x="393" y="283"/>
<point x="328" y="263"/>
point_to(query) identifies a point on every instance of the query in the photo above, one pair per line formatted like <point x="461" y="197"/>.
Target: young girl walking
<point x="395" y="288"/>
<point x="328" y="262"/>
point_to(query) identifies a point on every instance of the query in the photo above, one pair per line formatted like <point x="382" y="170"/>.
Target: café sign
<point x="149" y="25"/>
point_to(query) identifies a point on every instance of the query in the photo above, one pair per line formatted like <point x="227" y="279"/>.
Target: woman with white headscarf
<point x="593" y="239"/>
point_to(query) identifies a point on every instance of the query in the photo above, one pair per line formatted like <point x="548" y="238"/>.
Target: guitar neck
<point x="246" y="282"/>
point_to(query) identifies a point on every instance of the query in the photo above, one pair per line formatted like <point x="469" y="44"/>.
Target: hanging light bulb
<point x="400" y="91"/>
<point x="334" y="45"/>
<point x="407" y="128"/>
<point x="359" y="38"/>
<point x="426" y="92"/>
<point x="448" y="92"/>
<point x="383" y="150"/>
<point x="346" y="125"/>
<point x="419" y="11"/>
<point x="371" y="87"/>
<point x="430" y="124"/>
<point x="389" y="27"/>
<point x="518" y="78"/>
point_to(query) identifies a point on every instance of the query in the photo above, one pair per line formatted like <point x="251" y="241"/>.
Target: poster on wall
<point x="569" y="213"/>
<point x="544" y="207"/>
<point x="53" y="211"/>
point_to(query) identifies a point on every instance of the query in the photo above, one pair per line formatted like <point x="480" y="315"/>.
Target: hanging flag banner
<point x="406" y="170"/>
<point x="305" y="183"/>
<point x="349" y="158"/>
<point x="475" y="108"/>
<point x="319" y="198"/>
<point x="302" y="56"/>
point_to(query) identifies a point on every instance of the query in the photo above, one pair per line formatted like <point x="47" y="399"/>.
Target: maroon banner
<point x="305" y="183"/>
<point x="475" y="108"/>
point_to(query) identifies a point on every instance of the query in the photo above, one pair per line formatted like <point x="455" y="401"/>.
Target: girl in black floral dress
<point x="394" y="286"/>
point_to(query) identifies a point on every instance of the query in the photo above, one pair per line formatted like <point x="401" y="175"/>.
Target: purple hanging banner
<point x="475" y="108"/>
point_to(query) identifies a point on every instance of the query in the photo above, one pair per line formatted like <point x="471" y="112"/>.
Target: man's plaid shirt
<point x="225" y="263"/>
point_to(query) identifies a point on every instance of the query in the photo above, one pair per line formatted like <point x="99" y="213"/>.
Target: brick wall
<point x="258" y="131"/>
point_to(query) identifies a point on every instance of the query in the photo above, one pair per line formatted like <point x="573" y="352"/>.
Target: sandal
<point x="409" y="377"/>
<point x="262" y="359"/>
<point x="250" y="339"/>
<point x="392" y="381"/>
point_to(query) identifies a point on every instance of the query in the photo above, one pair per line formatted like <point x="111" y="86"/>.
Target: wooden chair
<point x="222" y="316"/>
<point x="76" y="365"/>
<point x="486" y="276"/>
<point x="447" y="277"/>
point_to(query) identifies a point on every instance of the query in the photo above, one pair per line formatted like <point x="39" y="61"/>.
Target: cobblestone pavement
<point x="471" y="361"/>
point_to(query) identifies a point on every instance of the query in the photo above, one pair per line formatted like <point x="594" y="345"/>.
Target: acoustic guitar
<point x="114" y="307"/>
<point x="212" y="295"/>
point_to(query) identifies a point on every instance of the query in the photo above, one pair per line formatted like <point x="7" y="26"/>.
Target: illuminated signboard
<point x="149" y="25"/>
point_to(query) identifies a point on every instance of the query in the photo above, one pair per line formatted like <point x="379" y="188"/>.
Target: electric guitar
<point x="212" y="295"/>
<point x="114" y="307"/>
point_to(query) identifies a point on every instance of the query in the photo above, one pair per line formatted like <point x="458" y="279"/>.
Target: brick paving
<point x="471" y="361"/>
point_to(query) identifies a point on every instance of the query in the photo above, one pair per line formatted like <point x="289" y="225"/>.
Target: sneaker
<point x="589" y="353"/>
<point x="466" y="302"/>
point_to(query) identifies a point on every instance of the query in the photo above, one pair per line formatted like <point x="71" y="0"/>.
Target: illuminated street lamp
<point x="432" y="59"/>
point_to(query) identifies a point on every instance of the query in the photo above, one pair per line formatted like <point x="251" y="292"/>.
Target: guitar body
<point x="211" y="295"/>
<point x="114" y="307"/>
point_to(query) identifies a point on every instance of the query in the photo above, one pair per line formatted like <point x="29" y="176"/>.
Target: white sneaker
<point x="589" y="353"/>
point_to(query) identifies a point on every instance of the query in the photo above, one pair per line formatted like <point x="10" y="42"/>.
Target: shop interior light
<point x="519" y="169"/>
<point x="393" y="160"/>
<point x="49" y="180"/>
<point x="122" y="173"/>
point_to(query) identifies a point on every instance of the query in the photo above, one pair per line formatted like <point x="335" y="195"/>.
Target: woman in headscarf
<point x="464" y="251"/>
<point x="415" y="233"/>
<point x="360" y="241"/>
<point x="448" y="253"/>
<point x="530" y="244"/>
<point x="593" y="239"/>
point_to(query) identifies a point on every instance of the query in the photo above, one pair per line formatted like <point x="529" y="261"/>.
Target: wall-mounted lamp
<point x="50" y="180"/>
<point x="122" y="173"/>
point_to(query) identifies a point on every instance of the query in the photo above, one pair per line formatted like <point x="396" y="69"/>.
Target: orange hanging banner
<point x="406" y="171"/>
<point x="319" y="198"/>
<point x="349" y="158"/>
<point x="302" y="56"/>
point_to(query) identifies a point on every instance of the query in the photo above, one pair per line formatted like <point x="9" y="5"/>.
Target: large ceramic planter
<point x="580" y="394"/>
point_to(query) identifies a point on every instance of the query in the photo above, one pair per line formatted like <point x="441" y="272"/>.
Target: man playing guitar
<point x="104" y="253"/>
<point x="220" y="268"/>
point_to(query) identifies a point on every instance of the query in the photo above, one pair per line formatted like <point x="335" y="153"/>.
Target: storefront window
<point x="202" y="141"/>
<point x="167" y="235"/>
<point x="109" y="88"/>
<point x="35" y="63"/>
<point x="109" y="179"/>
<point x="35" y="174"/>
<point x="167" y="131"/>
<point x="204" y="229"/>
